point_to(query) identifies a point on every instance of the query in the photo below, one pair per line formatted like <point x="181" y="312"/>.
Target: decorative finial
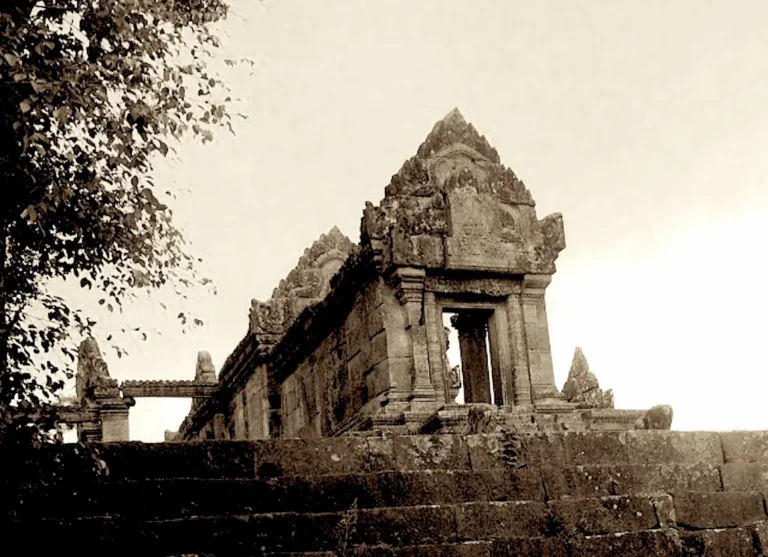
<point x="582" y="386"/>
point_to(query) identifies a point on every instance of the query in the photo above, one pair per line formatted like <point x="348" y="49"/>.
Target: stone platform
<point x="634" y="493"/>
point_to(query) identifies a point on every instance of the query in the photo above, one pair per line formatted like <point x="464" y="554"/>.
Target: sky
<point x="643" y="123"/>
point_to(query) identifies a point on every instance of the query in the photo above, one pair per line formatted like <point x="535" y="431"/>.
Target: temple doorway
<point x="472" y="378"/>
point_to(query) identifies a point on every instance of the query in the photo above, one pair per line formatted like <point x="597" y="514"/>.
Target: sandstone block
<point x="434" y="452"/>
<point x="135" y="460"/>
<point x="624" y="479"/>
<point x="744" y="476"/>
<point x="605" y="515"/>
<point x="341" y="455"/>
<point x="658" y="543"/>
<point x="747" y="446"/>
<point x="733" y="542"/>
<point x="496" y="450"/>
<point x="483" y="521"/>
<point x="673" y="447"/>
<point x="544" y="547"/>
<point x="401" y="526"/>
<point x="596" y="448"/>
<point x="718" y="510"/>
<point x="545" y="449"/>
<point x="466" y="549"/>
<point x="658" y="417"/>
<point x="431" y="487"/>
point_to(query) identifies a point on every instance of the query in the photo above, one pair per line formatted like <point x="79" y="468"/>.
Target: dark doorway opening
<point x="469" y="328"/>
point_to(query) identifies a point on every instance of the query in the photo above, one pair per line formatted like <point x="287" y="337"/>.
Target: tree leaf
<point x="11" y="59"/>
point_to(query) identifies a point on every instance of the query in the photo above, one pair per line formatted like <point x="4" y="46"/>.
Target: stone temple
<point x="353" y="339"/>
<point x="334" y="428"/>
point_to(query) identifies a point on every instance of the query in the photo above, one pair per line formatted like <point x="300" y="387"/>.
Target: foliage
<point x="91" y="93"/>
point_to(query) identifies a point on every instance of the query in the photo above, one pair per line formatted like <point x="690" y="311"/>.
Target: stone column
<point x="437" y="359"/>
<point x="410" y="293"/>
<point x="537" y="339"/>
<point x="472" y="328"/>
<point x="519" y="346"/>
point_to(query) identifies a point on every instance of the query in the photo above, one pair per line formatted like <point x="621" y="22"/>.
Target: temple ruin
<point x="339" y="426"/>
<point x="353" y="339"/>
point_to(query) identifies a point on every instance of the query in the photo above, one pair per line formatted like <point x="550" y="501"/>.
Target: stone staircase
<point x="645" y="493"/>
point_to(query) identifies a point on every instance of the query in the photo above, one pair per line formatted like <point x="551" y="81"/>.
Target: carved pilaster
<point x="534" y="316"/>
<point x="519" y="345"/>
<point x="409" y="283"/>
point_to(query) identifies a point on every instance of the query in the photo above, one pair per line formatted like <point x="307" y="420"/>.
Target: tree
<point x="91" y="92"/>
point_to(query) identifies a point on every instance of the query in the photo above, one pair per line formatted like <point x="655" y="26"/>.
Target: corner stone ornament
<point x="582" y="386"/>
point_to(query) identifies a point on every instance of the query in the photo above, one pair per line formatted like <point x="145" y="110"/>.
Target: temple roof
<point x="452" y="130"/>
<point x="306" y="284"/>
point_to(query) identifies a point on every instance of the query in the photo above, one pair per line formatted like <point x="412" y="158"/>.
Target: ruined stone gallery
<point x="338" y="426"/>
<point x="353" y="340"/>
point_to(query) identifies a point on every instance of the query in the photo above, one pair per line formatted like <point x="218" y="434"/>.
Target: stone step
<point x="390" y="526"/>
<point x="287" y="457"/>
<point x="702" y="523"/>
<point x="476" y="520"/>
<point x="178" y="497"/>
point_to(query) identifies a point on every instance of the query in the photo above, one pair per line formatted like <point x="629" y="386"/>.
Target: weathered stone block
<point x="292" y="532"/>
<point x="378" y="347"/>
<point x="381" y="454"/>
<point x="544" y="547"/>
<point x="658" y="543"/>
<point x="401" y="526"/>
<point x="543" y="449"/>
<point x="733" y="542"/>
<point x="596" y="448"/>
<point x="488" y="451"/>
<point x="744" y="476"/>
<point x="377" y="381"/>
<point x="673" y="447"/>
<point x="431" y="452"/>
<point x="320" y="494"/>
<point x="483" y="521"/>
<point x="605" y="515"/>
<point x="231" y="459"/>
<point x="466" y="549"/>
<point x="286" y="457"/>
<point x="430" y="487"/>
<point x="747" y="446"/>
<point x="624" y="479"/>
<point x="759" y="531"/>
<point x="718" y="510"/>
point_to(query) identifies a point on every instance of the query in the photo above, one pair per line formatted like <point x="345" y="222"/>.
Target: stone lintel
<point x="169" y="389"/>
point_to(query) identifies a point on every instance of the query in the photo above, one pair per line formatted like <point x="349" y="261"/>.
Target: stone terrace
<point x="628" y="493"/>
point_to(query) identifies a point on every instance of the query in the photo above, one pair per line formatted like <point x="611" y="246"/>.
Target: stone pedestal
<point x="114" y="425"/>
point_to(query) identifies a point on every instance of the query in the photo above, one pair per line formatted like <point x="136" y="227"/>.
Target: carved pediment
<point x="308" y="283"/>
<point x="454" y="205"/>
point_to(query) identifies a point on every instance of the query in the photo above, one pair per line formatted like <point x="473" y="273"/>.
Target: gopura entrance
<point x="353" y="339"/>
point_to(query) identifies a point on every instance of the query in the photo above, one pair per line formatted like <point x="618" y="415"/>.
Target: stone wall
<point x="349" y="374"/>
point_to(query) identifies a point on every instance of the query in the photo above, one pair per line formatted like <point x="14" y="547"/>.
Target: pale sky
<point x="643" y="123"/>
